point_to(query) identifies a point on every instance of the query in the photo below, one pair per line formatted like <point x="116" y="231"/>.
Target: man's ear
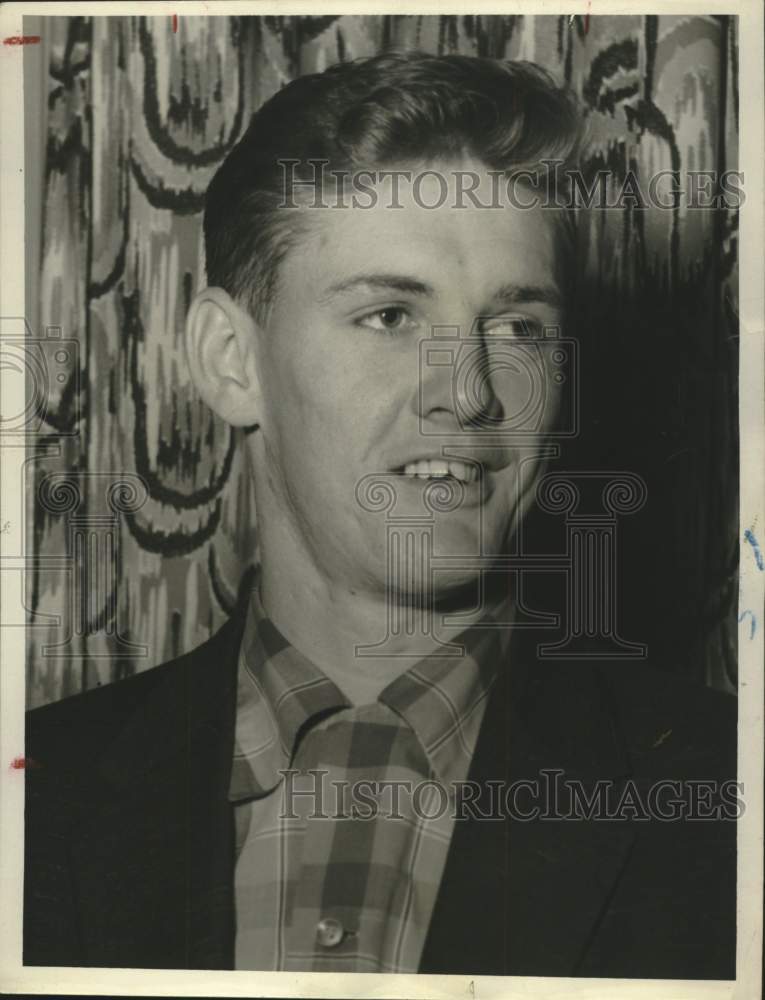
<point x="220" y="346"/>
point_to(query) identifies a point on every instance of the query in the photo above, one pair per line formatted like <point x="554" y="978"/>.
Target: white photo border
<point x="14" y="977"/>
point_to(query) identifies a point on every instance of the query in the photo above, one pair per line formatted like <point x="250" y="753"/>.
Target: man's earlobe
<point x="220" y="347"/>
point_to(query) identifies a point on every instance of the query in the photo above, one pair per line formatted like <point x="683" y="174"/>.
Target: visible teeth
<point x="461" y="471"/>
<point x="438" y="468"/>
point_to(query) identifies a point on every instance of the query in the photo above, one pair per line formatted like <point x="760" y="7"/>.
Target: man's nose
<point x="456" y="390"/>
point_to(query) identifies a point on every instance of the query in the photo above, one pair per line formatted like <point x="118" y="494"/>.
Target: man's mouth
<point x="440" y="468"/>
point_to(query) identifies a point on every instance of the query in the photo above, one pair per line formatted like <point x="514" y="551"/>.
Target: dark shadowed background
<point x="128" y="118"/>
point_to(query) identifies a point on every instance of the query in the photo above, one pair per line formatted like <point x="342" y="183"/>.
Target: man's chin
<point x="460" y="537"/>
<point x="443" y="590"/>
<point x="446" y="555"/>
<point x="452" y="586"/>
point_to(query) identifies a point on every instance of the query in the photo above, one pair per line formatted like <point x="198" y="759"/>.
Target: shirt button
<point x="329" y="932"/>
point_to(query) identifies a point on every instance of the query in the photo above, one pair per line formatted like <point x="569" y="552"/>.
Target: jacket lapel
<point x="524" y="897"/>
<point x="168" y="890"/>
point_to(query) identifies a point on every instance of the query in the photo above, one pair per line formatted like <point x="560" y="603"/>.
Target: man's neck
<point x="351" y="635"/>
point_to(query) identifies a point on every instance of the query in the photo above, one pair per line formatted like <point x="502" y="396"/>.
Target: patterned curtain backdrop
<point x="140" y="508"/>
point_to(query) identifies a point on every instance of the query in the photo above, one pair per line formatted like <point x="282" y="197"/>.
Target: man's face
<point x="346" y="394"/>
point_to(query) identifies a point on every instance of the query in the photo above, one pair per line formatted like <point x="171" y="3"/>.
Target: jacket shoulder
<point x="90" y="791"/>
<point x="68" y="733"/>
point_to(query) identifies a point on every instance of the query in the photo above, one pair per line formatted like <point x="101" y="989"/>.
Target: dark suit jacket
<point x="130" y="841"/>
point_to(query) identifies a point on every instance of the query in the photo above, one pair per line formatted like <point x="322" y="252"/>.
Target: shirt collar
<point x="280" y="691"/>
<point x="443" y="697"/>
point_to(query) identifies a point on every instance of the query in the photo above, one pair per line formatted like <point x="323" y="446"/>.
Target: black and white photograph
<point x="382" y="530"/>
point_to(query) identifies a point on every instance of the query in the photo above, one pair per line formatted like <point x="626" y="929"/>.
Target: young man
<point x="312" y="789"/>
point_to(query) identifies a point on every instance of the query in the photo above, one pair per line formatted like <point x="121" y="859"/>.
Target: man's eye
<point x="507" y="326"/>
<point x="392" y="319"/>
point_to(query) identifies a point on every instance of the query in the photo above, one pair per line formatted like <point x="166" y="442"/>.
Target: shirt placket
<point x="346" y="912"/>
<point x="316" y="935"/>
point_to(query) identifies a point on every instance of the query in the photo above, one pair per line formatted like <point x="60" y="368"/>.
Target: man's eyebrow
<point x="391" y="282"/>
<point x="511" y="294"/>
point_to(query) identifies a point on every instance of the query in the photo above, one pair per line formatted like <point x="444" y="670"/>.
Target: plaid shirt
<point x="315" y="888"/>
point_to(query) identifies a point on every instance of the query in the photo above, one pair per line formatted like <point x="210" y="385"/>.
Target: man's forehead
<point x="423" y="249"/>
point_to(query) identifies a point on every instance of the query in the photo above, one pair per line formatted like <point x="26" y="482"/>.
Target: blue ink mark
<point x="750" y="537"/>
<point x="753" y="624"/>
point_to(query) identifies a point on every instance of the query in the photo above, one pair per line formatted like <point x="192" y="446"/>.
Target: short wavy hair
<point x="379" y="111"/>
